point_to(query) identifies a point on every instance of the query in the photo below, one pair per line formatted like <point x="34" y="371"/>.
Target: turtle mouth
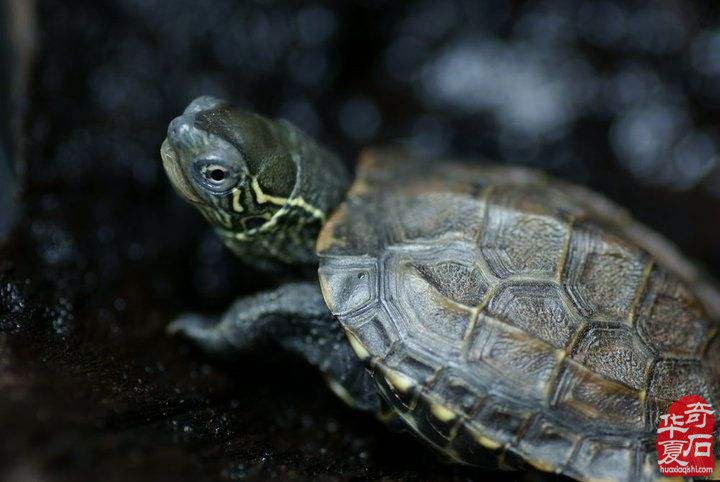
<point x="171" y="164"/>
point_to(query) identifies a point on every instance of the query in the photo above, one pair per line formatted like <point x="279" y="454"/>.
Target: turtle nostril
<point x="173" y="128"/>
<point x="176" y="127"/>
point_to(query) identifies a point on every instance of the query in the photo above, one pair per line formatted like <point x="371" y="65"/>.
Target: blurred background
<point x="98" y="254"/>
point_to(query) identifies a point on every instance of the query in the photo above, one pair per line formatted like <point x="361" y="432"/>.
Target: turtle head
<point x="215" y="155"/>
<point x="263" y="184"/>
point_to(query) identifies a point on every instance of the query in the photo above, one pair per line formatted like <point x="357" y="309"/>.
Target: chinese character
<point x="702" y="449"/>
<point x="671" y="423"/>
<point x="697" y="414"/>
<point x="672" y="450"/>
<point x="684" y="440"/>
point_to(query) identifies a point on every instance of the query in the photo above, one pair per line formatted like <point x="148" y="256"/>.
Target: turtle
<point x="504" y="317"/>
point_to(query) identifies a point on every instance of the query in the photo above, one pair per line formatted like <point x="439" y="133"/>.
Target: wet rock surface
<point x="105" y="253"/>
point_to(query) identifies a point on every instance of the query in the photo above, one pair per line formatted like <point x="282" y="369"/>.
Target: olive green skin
<point x="281" y="183"/>
<point x="510" y="317"/>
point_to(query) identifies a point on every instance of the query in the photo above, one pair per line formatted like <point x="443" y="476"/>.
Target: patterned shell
<point x="513" y="318"/>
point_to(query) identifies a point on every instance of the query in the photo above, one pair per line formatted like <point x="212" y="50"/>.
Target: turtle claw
<point x="188" y="323"/>
<point x="200" y="330"/>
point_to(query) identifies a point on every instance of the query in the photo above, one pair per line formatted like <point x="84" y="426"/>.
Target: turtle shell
<point x="514" y="318"/>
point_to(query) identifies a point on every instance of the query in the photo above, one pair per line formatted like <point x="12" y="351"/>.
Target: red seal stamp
<point x="684" y="438"/>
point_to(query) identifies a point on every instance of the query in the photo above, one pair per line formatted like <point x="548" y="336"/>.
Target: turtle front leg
<point x="294" y="316"/>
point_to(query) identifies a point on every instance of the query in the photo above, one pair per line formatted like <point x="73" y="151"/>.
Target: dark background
<point x="621" y="96"/>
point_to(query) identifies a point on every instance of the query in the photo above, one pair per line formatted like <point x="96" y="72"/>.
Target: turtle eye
<point x="216" y="176"/>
